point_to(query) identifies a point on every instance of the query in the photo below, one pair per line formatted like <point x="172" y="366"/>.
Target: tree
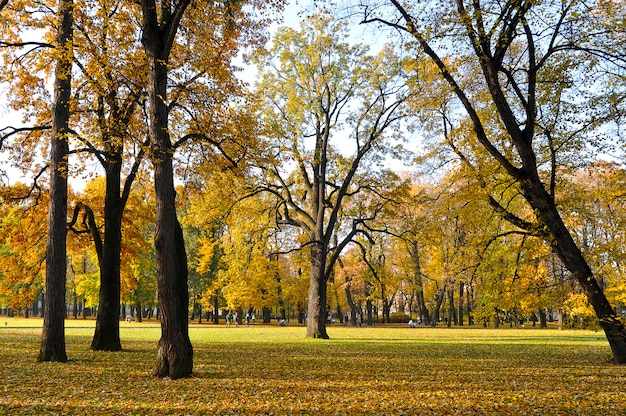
<point x="208" y="71"/>
<point x="107" y="104"/>
<point x="53" y="335"/>
<point x="532" y="57"/>
<point x="321" y="91"/>
<point x="175" y="352"/>
<point x="104" y="121"/>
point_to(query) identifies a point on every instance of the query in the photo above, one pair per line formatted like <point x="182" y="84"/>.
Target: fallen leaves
<point x="271" y="371"/>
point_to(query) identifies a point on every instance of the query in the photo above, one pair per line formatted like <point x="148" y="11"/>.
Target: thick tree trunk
<point x="423" y="310"/>
<point x="107" y="334"/>
<point x="53" y="334"/>
<point x="316" y="320"/>
<point x="175" y="352"/>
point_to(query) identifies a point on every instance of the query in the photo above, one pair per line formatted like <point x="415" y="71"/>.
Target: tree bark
<point x="53" y="335"/>
<point x="174" y="352"/>
<point x="107" y="333"/>
<point x="316" y="320"/>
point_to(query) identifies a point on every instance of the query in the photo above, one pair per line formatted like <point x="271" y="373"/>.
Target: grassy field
<point x="275" y="370"/>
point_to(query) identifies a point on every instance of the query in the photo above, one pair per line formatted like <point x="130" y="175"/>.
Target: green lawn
<point x="275" y="370"/>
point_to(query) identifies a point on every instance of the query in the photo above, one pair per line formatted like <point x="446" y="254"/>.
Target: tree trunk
<point x="461" y="302"/>
<point x="36" y="305"/>
<point x="566" y="249"/>
<point x="75" y="306"/>
<point x="468" y="303"/>
<point x="418" y="281"/>
<point x="107" y="333"/>
<point x="450" y="307"/>
<point x="438" y="301"/>
<point x="316" y="320"/>
<point x="53" y="334"/>
<point x="542" y="319"/>
<point x="353" y="306"/>
<point x="175" y="352"/>
<point x="139" y="312"/>
<point x="216" y="308"/>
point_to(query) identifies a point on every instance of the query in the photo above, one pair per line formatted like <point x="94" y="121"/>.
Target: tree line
<point x="286" y="185"/>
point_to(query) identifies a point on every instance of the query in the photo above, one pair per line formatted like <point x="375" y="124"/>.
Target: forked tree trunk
<point x="53" y="334"/>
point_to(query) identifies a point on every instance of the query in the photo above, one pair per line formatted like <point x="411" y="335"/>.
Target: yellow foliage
<point x="577" y="305"/>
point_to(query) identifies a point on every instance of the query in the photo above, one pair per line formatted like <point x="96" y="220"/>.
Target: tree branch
<point x="89" y="222"/>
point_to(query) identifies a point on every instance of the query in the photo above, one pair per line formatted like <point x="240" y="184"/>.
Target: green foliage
<point x="270" y="370"/>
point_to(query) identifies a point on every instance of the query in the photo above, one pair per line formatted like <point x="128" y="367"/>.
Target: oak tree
<point x="531" y="56"/>
<point x="53" y="335"/>
<point x="331" y="110"/>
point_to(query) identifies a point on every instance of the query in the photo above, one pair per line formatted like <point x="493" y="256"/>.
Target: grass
<point x="272" y="370"/>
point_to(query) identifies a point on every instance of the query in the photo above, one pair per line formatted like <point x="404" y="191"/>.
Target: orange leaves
<point x="266" y="370"/>
<point x="23" y="229"/>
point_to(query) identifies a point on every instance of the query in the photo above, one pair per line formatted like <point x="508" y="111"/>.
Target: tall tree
<point x="107" y="104"/>
<point x="175" y="353"/>
<point x="537" y="60"/>
<point x="53" y="335"/>
<point x="205" y="74"/>
<point x="322" y="92"/>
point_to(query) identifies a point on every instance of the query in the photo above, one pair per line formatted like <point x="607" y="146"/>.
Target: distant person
<point x="412" y="324"/>
<point x="228" y="317"/>
<point x="248" y="318"/>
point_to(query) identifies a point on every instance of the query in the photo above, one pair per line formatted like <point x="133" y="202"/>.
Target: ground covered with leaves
<point x="265" y="370"/>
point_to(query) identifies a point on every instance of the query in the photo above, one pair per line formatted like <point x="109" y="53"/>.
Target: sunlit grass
<point x="275" y="370"/>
